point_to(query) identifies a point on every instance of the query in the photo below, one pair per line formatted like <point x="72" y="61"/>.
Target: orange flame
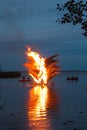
<point x="39" y="68"/>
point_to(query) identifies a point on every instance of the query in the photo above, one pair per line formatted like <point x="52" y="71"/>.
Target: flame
<point x="39" y="68"/>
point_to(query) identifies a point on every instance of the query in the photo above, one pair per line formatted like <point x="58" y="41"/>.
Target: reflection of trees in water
<point x="43" y="104"/>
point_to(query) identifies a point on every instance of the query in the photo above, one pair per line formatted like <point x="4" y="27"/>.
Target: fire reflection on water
<point x="42" y="101"/>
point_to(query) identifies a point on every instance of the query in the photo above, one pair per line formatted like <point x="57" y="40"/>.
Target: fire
<point x="36" y="67"/>
<point x="39" y="68"/>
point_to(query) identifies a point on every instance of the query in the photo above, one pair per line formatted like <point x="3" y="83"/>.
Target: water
<point x="62" y="107"/>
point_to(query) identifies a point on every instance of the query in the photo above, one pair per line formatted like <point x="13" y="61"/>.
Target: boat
<point x="24" y="79"/>
<point x="72" y="78"/>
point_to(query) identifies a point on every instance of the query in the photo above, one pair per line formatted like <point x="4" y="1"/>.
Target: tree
<point x="74" y="12"/>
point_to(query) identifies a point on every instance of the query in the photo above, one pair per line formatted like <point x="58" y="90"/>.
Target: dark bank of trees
<point x="10" y="74"/>
<point x="74" y="12"/>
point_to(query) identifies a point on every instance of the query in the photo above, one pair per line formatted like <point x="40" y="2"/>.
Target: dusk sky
<point x="34" y="23"/>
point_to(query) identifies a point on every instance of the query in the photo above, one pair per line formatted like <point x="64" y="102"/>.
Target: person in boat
<point x="28" y="79"/>
<point x="23" y="77"/>
<point x="72" y="78"/>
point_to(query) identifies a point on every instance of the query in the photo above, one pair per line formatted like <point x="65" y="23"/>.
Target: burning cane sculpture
<point x="39" y="68"/>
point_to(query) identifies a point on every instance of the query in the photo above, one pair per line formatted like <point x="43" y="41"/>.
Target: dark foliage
<point x="74" y="12"/>
<point x="10" y="74"/>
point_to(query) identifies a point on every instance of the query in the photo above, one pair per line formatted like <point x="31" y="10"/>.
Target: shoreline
<point x="10" y="74"/>
<point x="18" y="74"/>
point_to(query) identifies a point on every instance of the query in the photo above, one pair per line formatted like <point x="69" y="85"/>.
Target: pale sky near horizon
<point x="34" y="23"/>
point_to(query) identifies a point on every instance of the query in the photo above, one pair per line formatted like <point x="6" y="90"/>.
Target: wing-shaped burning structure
<point x="41" y="69"/>
<point x="51" y="65"/>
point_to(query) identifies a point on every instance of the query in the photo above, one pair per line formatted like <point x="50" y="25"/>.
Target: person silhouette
<point x="23" y="77"/>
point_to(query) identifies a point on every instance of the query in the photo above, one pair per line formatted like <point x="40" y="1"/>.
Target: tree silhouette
<point x="74" y="12"/>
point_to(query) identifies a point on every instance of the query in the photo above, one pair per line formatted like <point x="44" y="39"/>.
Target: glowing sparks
<point x="39" y="68"/>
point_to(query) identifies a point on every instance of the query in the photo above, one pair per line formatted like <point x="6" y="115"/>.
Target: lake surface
<point x="59" y="107"/>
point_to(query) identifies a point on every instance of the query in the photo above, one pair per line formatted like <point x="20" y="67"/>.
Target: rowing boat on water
<point x="24" y="80"/>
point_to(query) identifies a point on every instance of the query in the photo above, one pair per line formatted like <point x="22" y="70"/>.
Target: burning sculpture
<point x="39" y="68"/>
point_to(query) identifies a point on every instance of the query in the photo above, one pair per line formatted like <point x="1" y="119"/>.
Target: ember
<point x="39" y="68"/>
